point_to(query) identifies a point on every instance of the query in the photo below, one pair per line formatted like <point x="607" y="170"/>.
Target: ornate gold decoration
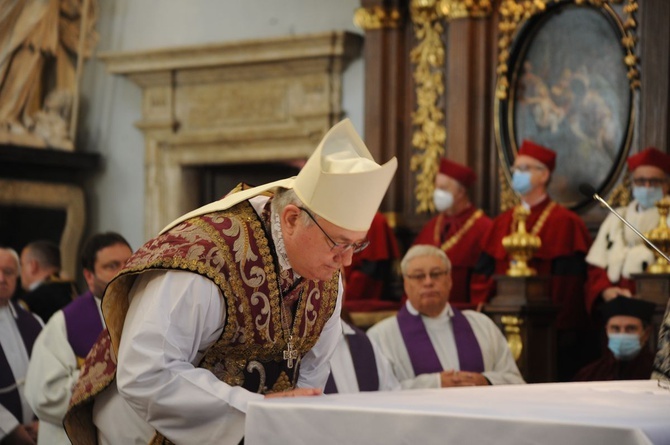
<point x="512" y="327"/>
<point x="458" y="9"/>
<point x="377" y="17"/>
<point x="629" y="40"/>
<point x="430" y="135"/>
<point x="621" y="195"/>
<point x="451" y="242"/>
<point x="514" y="14"/>
<point x="508" y="198"/>
<point x="428" y="57"/>
<point x="521" y="245"/>
<point x="660" y="236"/>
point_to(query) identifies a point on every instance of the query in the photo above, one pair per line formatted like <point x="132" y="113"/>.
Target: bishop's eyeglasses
<point x="338" y="248"/>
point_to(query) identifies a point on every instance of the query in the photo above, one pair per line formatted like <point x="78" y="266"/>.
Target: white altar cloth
<point x="622" y="412"/>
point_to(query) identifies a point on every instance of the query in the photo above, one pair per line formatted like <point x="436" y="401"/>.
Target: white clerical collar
<point x="446" y="312"/>
<point x="258" y="203"/>
<point x="278" y="239"/>
<point x="35" y="285"/>
<point x="537" y="201"/>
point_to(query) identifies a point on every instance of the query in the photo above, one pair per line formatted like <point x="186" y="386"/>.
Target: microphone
<point x="588" y="190"/>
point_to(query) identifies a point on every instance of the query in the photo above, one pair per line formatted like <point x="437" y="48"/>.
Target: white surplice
<point x="499" y="365"/>
<point x="51" y="376"/>
<point x="173" y="318"/>
<point x="17" y="357"/>
<point x="344" y="374"/>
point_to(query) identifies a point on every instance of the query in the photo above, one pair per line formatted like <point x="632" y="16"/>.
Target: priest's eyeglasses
<point x="526" y="168"/>
<point x="338" y="248"/>
<point x="648" y="182"/>
<point x="421" y="276"/>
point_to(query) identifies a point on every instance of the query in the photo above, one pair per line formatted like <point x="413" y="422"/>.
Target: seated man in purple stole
<point x="18" y="330"/>
<point x="358" y="365"/>
<point x="68" y="336"/>
<point x="430" y="343"/>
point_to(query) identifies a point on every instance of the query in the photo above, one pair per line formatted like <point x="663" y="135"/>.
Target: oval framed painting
<point x="569" y="90"/>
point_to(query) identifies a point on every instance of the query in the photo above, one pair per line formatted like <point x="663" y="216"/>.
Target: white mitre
<point x="340" y="182"/>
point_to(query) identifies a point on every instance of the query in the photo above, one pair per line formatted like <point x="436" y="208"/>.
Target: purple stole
<point x="365" y="364"/>
<point x="421" y="351"/>
<point x="82" y="323"/>
<point x="29" y="328"/>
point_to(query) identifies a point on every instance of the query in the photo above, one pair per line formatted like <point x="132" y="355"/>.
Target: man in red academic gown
<point x="628" y="326"/>
<point x="458" y="228"/>
<point x="617" y="251"/>
<point x="565" y="241"/>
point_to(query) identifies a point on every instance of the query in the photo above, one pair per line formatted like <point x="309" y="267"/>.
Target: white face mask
<point x="443" y="200"/>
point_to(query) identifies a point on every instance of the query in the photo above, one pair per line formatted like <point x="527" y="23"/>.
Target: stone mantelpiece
<point x="242" y="102"/>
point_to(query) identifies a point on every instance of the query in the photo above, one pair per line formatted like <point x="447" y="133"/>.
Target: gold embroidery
<point x="283" y="383"/>
<point x="540" y="221"/>
<point x="451" y="242"/>
<point x="220" y="247"/>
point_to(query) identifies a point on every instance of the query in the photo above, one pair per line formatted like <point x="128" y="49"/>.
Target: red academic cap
<point x="459" y="172"/>
<point x="537" y="151"/>
<point x="650" y="156"/>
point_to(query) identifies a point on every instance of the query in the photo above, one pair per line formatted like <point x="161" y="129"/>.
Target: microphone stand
<point x="597" y="197"/>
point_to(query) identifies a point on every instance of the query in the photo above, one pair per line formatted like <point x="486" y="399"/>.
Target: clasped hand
<point x="451" y="378"/>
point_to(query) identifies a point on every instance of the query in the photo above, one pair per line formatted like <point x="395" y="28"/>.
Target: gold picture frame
<point x="567" y="78"/>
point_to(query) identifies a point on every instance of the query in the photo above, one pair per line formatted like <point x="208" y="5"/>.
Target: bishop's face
<point x="310" y="245"/>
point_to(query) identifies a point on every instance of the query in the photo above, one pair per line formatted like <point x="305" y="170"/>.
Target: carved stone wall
<point x="242" y="102"/>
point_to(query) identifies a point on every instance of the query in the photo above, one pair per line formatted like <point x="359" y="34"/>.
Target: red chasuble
<point x="565" y="242"/>
<point x="459" y="236"/>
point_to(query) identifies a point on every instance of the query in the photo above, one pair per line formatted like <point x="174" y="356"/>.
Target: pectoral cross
<point x="290" y="354"/>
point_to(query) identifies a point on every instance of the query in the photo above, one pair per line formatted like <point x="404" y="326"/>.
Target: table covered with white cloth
<point x="621" y="412"/>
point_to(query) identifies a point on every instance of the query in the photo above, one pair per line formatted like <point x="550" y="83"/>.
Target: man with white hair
<point x="237" y="300"/>
<point x="18" y="331"/>
<point x="430" y="343"/>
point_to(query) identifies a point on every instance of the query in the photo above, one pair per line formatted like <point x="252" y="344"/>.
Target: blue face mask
<point x="647" y="197"/>
<point x="624" y="346"/>
<point x="521" y="182"/>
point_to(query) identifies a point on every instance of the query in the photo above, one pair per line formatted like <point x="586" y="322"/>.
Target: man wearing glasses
<point x="565" y="242"/>
<point x="430" y="343"/>
<point x="236" y="301"/>
<point x="618" y="252"/>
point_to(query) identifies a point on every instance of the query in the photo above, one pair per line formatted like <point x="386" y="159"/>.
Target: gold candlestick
<point x="521" y="245"/>
<point x="660" y="236"/>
